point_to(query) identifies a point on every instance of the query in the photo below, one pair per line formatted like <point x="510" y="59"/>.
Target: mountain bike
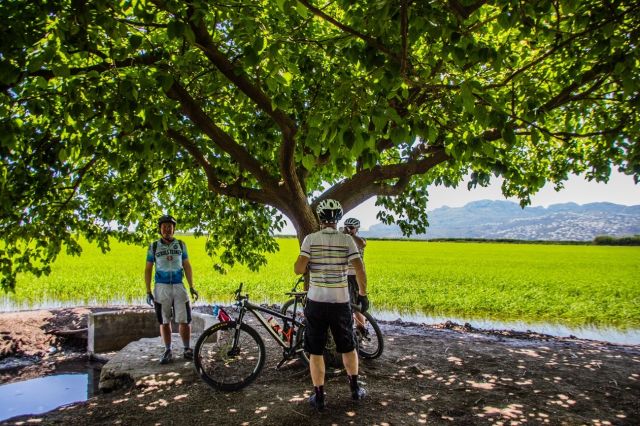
<point x="231" y="354"/>
<point x="368" y="335"/>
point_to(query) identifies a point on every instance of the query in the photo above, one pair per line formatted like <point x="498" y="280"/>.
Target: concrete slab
<point x="138" y="364"/>
<point x="133" y="358"/>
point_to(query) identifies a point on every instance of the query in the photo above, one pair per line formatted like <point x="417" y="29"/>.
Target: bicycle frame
<point x="246" y="306"/>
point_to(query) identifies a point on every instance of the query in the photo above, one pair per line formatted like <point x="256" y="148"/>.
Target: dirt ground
<point x="445" y="374"/>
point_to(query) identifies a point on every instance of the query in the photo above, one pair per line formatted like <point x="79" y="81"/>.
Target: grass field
<point x="574" y="285"/>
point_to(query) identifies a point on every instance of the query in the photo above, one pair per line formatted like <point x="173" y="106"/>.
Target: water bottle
<point x="276" y="327"/>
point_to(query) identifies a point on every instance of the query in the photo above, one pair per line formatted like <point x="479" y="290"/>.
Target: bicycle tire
<point x="370" y="343"/>
<point x="287" y="308"/>
<point x="218" y="367"/>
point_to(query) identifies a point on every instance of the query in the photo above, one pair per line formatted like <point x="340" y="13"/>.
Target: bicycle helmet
<point x="329" y="211"/>
<point x="166" y="219"/>
<point x="352" y="222"/>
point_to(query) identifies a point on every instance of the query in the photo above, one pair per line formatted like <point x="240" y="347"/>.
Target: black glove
<point x="150" y="299"/>
<point x="363" y="301"/>
<point x="194" y="294"/>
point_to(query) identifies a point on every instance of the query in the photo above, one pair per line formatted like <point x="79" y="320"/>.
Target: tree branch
<point x="222" y="139"/>
<point x="234" y="74"/>
<point x="216" y="185"/>
<point x="367" y="39"/>
<point x="367" y="183"/>
<point x="124" y="63"/>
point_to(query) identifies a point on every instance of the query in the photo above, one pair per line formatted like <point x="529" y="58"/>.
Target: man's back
<point x="329" y="253"/>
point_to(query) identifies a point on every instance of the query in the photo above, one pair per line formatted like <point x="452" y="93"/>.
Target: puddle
<point x="603" y="334"/>
<point x="73" y="382"/>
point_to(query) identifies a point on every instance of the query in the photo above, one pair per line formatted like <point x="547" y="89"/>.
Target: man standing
<point x="351" y="227"/>
<point x="170" y="298"/>
<point x="327" y="254"/>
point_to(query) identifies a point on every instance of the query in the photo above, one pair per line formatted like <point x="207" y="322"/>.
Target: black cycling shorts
<point x="320" y="317"/>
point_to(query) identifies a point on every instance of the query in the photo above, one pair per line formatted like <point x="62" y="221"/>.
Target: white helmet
<point x="352" y="222"/>
<point x="329" y="211"/>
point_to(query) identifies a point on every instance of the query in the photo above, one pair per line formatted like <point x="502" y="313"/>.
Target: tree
<point x="231" y="114"/>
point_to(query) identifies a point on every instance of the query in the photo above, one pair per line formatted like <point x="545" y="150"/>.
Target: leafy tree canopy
<point x="230" y="114"/>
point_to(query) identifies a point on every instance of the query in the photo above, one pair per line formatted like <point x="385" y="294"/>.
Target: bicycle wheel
<point x="299" y="345"/>
<point x="368" y="336"/>
<point x="287" y="309"/>
<point x="223" y="367"/>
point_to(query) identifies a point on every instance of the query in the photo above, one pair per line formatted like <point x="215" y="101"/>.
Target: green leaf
<point x="8" y="73"/>
<point x="308" y="162"/>
<point x="302" y="10"/>
<point x="508" y="135"/>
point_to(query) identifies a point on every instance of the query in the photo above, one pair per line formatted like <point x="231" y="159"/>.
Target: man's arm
<point x="188" y="272"/>
<point x="300" y="267"/>
<point x="361" y="276"/>
<point x="360" y="242"/>
<point x="148" y="269"/>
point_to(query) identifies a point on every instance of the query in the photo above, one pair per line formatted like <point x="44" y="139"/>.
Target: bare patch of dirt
<point x="446" y="374"/>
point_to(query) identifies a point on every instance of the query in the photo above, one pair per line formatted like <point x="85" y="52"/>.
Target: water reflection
<point x="77" y="380"/>
<point x="43" y="394"/>
<point x="605" y="334"/>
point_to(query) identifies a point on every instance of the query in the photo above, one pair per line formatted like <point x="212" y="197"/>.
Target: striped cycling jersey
<point x="329" y="253"/>
<point x="168" y="260"/>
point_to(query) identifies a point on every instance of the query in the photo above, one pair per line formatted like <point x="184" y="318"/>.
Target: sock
<point x="186" y="344"/>
<point x="353" y="382"/>
<point x="319" y="391"/>
<point x="167" y="347"/>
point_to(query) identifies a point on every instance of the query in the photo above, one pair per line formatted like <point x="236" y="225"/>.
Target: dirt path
<point x="427" y="375"/>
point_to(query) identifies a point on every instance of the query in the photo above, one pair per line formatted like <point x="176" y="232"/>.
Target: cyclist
<point x="351" y="227"/>
<point x="169" y="297"/>
<point x="326" y="254"/>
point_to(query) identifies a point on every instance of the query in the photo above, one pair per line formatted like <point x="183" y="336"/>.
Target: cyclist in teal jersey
<point x="169" y="297"/>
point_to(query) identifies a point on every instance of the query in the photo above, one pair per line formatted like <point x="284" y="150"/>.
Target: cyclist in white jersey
<point x="170" y="298"/>
<point x="327" y="254"/>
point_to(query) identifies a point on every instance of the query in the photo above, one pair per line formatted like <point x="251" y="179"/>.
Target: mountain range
<point x="507" y="220"/>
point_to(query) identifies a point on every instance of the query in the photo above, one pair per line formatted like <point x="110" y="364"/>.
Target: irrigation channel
<point x="627" y="336"/>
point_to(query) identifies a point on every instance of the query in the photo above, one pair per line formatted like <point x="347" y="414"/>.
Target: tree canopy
<point x="230" y="114"/>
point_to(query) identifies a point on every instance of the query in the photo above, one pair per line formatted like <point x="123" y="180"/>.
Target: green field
<point x="574" y="285"/>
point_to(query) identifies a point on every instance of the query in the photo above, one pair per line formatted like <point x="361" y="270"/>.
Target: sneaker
<point x="188" y="354"/>
<point x="317" y="403"/>
<point x="167" y="356"/>
<point x="358" y="393"/>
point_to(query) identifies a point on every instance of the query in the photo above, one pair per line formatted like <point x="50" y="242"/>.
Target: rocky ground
<point x="445" y="374"/>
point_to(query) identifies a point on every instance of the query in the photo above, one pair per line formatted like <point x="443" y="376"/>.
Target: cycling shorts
<point x="172" y="303"/>
<point x="321" y="317"/>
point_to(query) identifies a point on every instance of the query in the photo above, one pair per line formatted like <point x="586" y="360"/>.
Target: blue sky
<point x="620" y="190"/>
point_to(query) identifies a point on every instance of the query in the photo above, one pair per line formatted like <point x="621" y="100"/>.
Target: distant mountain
<point x="505" y="219"/>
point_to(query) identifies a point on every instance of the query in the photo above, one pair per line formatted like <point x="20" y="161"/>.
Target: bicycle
<point x="369" y="339"/>
<point x="230" y="355"/>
